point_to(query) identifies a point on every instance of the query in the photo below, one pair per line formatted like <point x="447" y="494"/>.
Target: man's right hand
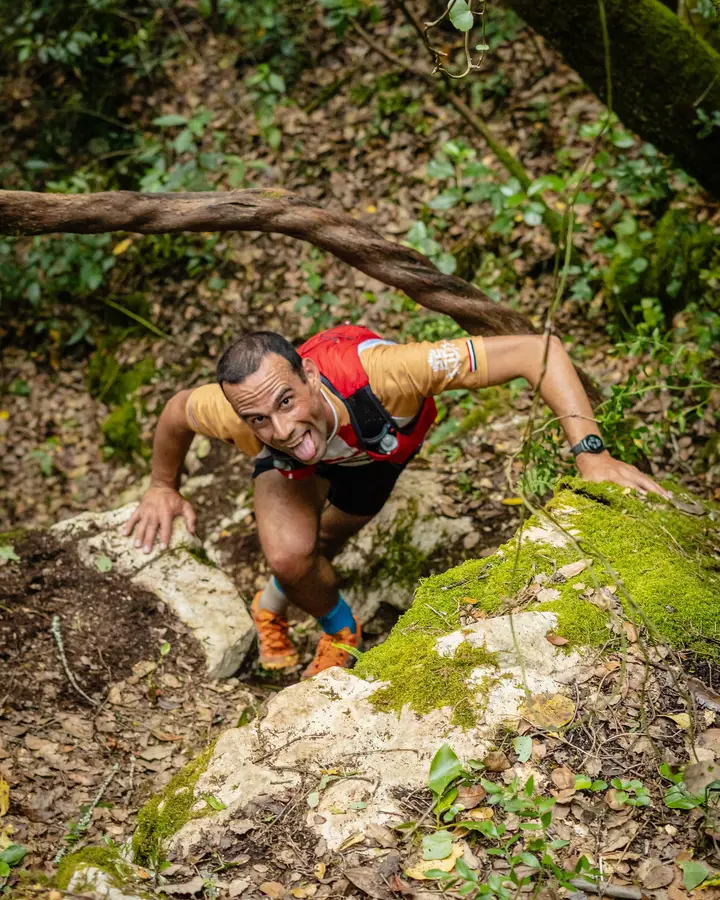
<point x="156" y="512"/>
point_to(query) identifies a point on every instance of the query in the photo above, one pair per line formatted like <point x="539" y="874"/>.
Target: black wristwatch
<point x="592" y="443"/>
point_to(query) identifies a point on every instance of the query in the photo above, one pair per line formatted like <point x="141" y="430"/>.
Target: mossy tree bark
<point x="661" y="71"/>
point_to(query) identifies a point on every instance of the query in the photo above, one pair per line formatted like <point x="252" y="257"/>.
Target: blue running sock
<point x="339" y="617"/>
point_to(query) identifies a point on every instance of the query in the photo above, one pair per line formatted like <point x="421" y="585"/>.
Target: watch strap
<point x="591" y="443"/>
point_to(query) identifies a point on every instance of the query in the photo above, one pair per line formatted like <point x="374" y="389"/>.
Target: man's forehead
<point x="273" y="375"/>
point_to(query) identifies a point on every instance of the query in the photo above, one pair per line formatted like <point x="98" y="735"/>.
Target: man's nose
<point x="283" y="427"/>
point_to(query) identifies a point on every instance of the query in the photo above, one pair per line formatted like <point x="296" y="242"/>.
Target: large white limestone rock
<point x="329" y="724"/>
<point x="203" y="597"/>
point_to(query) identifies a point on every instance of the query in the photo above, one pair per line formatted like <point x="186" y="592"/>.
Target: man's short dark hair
<point x="246" y="355"/>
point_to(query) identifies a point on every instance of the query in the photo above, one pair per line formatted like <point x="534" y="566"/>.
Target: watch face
<point x="594" y="443"/>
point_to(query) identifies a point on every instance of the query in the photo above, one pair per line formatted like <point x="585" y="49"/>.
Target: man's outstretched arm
<point x="525" y="357"/>
<point x="162" y="501"/>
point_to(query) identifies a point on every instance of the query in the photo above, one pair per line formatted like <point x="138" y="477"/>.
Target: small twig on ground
<point x="57" y="634"/>
<point x="84" y="822"/>
<point x="605" y="889"/>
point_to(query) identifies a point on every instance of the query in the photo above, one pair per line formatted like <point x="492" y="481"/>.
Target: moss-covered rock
<point x="657" y="558"/>
<point x="165" y="814"/>
<point x="106" y="859"/>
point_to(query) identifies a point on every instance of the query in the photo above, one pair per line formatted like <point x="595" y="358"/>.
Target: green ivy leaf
<point x="170" y="120"/>
<point x="460" y="15"/>
<point x="444" y="769"/>
<point x="214" y="802"/>
<point x="103" y="563"/>
<point x="13" y="854"/>
<point x="523" y="747"/>
<point x="546" y="183"/>
<point x="437" y="845"/>
<point x="446" y="200"/>
<point x="7" y="551"/>
<point x="694" y="873"/>
<point x="440" y="168"/>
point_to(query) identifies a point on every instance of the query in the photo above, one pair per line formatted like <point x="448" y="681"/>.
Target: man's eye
<point x="286" y="401"/>
<point x="258" y="420"/>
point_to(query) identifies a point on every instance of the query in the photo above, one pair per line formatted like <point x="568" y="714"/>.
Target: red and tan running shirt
<point x="401" y="376"/>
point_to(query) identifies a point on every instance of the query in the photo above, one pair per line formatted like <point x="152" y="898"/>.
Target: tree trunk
<point x="661" y="71"/>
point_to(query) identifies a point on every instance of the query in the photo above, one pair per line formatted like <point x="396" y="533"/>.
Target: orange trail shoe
<point x="328" y="654"/>
<point x="277" y="651"/>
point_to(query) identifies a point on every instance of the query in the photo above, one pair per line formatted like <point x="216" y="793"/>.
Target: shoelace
<point x="326" y="651"/>
<point x="272" y="629"/>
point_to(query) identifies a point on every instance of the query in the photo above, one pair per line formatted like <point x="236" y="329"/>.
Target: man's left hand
<point x="603" y="467"/>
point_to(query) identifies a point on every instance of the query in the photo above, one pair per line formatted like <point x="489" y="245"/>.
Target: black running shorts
<point x="356" y="490"/>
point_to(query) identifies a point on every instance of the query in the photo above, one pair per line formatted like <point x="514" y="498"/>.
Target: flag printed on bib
<point x="471" y="354"/>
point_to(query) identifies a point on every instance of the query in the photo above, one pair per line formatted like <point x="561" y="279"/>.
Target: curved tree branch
<point x="271" y="211"/>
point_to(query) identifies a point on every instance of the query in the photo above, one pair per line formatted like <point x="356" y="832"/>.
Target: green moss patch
<point x="105" y="858"/>
<point x="418" y="676"/>
<point x="660" y="558"/>
<point x="165" y="815"/>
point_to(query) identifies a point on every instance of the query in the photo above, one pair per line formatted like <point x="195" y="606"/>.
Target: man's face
<point x="284" y="411"/>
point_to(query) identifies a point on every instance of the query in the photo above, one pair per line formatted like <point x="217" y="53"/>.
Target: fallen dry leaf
<point x="481" y="814"/>
<point x="563" y="778"/>
<point x="4" y="796"/>
<point x="351" y="841"/>
<point x="417" y="872"/>
<point x="555" y="639"/>
<point x="308" y="890"/>
<point x="471" y="795"/>
<point x="319" y="870"/>
<point x="631" y="632"/>
<point x="653" y="874"/>
<point x="574" y="568"/>
<point x="682" y="720"/>
<point x="547" y="594"/>
<point x="194" y="886"/>
<point x="272" y="889"/>
<point x="620" y="837"/>
<point x="496" y="761"/>
<point x="610" y="799"/>
<point x="237" y="887"/>
<point x="368" y="881"/>
<point x="144" y="667"/>
<point x="548" y="711"/>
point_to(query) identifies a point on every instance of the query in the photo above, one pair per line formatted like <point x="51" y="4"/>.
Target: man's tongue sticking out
<point x="305" y="450"/>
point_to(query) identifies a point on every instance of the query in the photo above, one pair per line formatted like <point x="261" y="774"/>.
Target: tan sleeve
<point x="402" y="375"/>
<point x="208" y="412"/>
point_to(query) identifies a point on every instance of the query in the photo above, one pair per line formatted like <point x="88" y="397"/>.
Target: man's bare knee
<point x="290" y="566"/>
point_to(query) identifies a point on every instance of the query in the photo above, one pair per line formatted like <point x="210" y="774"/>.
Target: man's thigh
<point x="288" y="513"/>
<point x="356" y="495"/>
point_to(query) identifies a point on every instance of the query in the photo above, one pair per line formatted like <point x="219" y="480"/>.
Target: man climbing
<point x="331" y="426"/>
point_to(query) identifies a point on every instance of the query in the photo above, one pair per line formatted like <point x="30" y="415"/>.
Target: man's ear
<point x="312" y="373"/>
